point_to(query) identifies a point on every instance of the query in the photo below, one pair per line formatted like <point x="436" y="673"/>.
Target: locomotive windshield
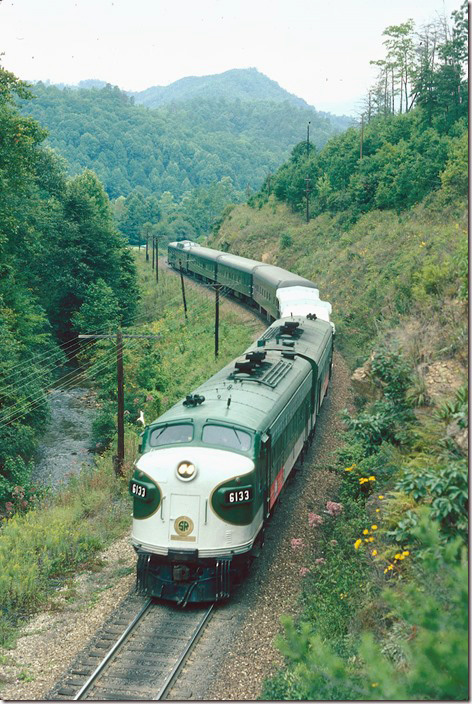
<point x="226" y="437"/>
<point x="171" y="434"/>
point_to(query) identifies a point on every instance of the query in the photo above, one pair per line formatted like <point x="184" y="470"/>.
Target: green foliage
<point x="445" y="489"/>
<point x="41" y="547"/>
<point x="434" y="668"/>
<point x="384" y="420"/>
<point x="177" y="148"/>
<point x="285" y="241"/>
<point x="457" y="409"/>
<point x="57" y="244"/>
<point x="103" y="428"/>
<point x="99" y="312"/>
<point x="413" y="134"/>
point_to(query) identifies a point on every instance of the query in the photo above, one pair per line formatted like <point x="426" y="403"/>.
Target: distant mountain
<point x="238" y="125"/>
<point x="236" y="84"/>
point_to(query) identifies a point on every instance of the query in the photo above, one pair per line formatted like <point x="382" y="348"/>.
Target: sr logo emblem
<point x="183" y="525"/>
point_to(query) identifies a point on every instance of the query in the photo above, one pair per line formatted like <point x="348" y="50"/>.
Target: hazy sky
<point x="317" y="49"/>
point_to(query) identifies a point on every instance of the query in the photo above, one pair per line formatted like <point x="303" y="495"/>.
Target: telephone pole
<point x="183" y="292"/>
<point x="217" y="288"/>
<point x="362" y="135"/>
<point x="120" y="454"/>
<point x="308" y="139"/>
<point x="119" y="458"/>
<point x="153" y="248"/>
<point x="307" y="193"/>
<point x="147" y="246"/>
<point x="157" y="262"/>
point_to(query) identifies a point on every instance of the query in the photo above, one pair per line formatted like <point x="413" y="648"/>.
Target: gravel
<point x="51" y="640"/>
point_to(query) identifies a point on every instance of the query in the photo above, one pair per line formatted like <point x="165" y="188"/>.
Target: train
<point x="211" y="468"/>
<point x="275" y="292"/>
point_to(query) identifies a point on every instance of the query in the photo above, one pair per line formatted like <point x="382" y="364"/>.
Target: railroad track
<point x="139" y="659"/>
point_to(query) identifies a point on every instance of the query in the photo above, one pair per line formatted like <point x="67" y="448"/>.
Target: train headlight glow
<point x="186" y="470"/>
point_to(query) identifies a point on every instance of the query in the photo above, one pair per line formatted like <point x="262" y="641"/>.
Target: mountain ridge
<point x="245" y="84"/>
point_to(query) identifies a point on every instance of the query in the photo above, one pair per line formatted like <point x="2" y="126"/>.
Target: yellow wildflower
<point x="372" y="479"/>
<point x="371" y="539"/>
<point x="377" y="510"/>
<point x="365" y="532"/>
<point x="374" y="552"/>
<point x="357" y="544"/>
<point x="406" y="553"/>
<point x="398" y="556"/>
<point x="374" y="527"/>
<point x="348" y="469"/>
<point x="381" y="497"/>
<point x="423" y="244"/>
<point x="390" y="567"/>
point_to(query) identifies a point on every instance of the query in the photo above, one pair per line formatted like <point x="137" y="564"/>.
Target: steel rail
<point x="111" y="652"/>
<point x="183" y="656"/>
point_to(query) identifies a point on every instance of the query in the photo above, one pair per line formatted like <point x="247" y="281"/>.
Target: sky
<point x="317" y="49"/>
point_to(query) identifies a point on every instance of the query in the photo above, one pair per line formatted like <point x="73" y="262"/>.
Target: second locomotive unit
<point x="213" y="465"/>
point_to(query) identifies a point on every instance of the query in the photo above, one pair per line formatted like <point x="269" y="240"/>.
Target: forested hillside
<point x="62" y="263"/>
<point x="384" y="605"/>
<point x="173" y="158"/>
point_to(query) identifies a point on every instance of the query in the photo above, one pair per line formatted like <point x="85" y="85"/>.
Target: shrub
<point x="103" y="428"/>
<point x="434" y="668"/>
<point x="286" y="241"/>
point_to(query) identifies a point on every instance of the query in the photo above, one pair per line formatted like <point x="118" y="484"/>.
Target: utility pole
<point x="362" y="134"/>
<point x="119" y="459"/>
<point x="147" y="246"/>
<point x="217" y="288"/>
<point x="157" y="262"/>
<point x="183" y="292"/>
<point x="120" y="456"/>
<point x="153" y="247"/>
<point x="307" y="192"/>
<point x="308" y="139"/>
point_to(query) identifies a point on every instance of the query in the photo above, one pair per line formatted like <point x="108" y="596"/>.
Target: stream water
<point x="65" y="445"/>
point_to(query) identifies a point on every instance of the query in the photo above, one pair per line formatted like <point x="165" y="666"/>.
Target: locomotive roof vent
<point x="312" y="316"/>
<point x="247" y="366"/>
<point x="193" y="400"/>
<point x="252" y="366"/>
<point x="289" y="327"/>
<point x="256" y="357"/>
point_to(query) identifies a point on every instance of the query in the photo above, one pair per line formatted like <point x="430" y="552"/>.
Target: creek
<point x="65" y="446"/>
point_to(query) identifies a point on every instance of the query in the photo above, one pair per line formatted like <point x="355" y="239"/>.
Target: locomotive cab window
<point x="170" y="434"/>
<point x="231" y="438"/>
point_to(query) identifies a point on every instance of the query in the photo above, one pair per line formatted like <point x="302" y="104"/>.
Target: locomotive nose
<point x="184" y="518"/>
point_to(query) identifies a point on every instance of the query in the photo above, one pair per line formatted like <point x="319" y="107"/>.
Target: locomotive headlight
<point x="186" y="470"/>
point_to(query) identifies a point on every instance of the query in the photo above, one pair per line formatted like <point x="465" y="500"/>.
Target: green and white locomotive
<point x="213" y="465"/>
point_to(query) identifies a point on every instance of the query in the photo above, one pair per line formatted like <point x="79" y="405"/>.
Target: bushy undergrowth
<point x="39" y="549"/>
<point x="428" y="612"/>
<point x="393" y="573"/>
